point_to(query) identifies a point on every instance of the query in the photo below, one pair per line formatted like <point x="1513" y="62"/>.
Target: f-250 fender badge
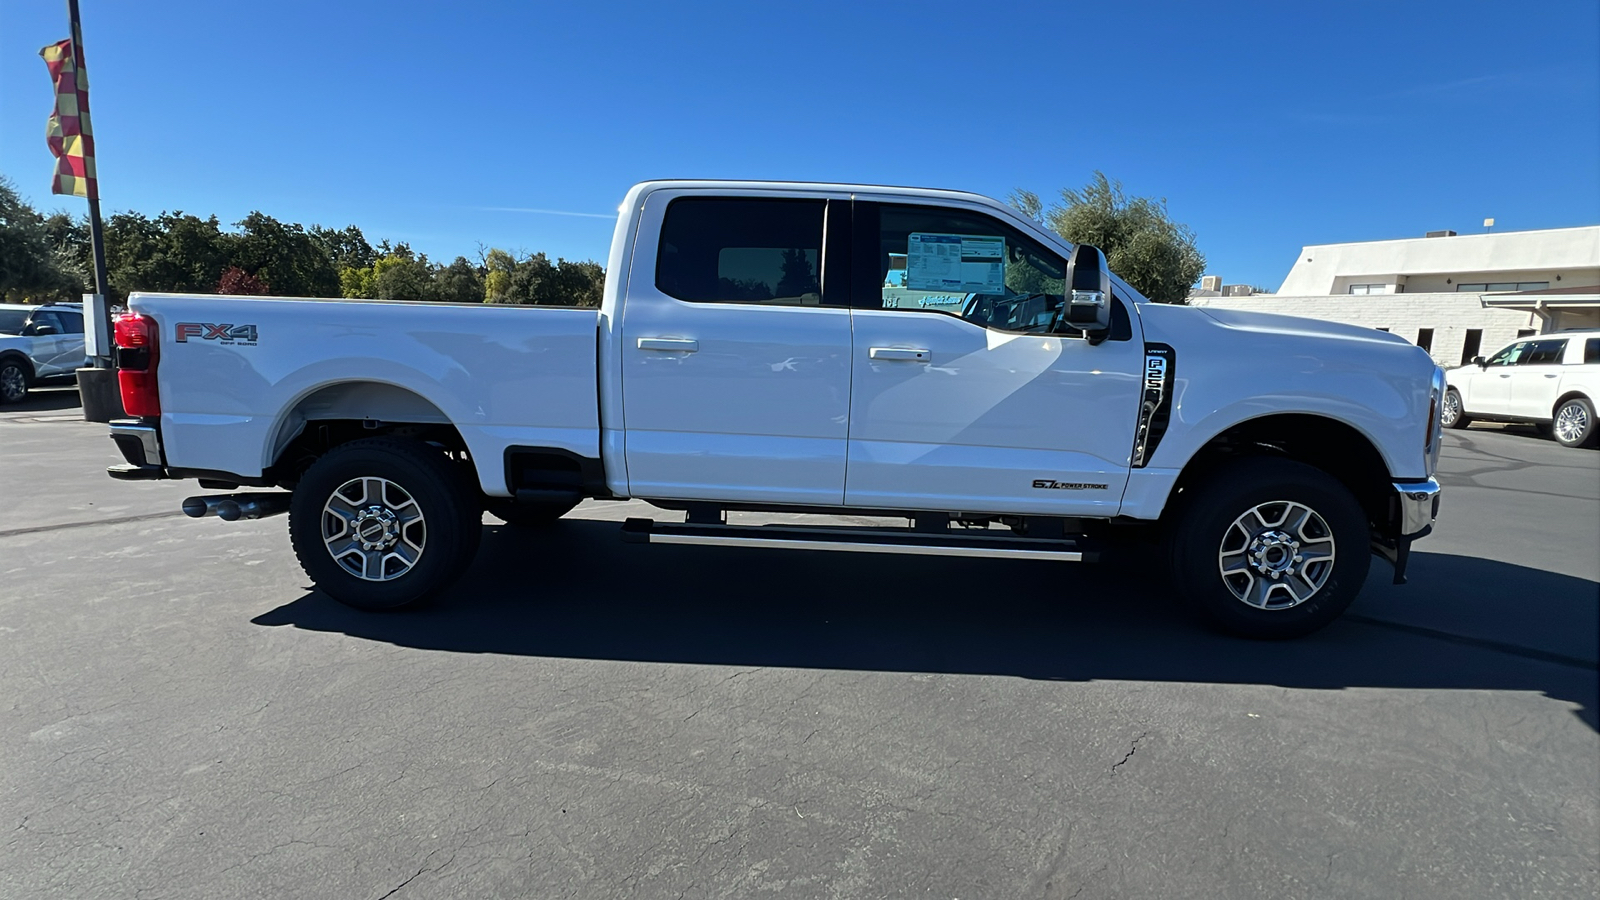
<point x="1051" y="484"/>
<point x="237" y="335"/>
<point x="1155" y="400"/>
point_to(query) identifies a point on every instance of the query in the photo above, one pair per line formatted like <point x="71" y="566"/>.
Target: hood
<point x="1296" y="326"/>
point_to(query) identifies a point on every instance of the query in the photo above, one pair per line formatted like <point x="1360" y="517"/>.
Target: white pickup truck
<point x="930" y="358"/>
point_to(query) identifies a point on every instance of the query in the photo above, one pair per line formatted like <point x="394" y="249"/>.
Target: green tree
<point x="285" y="256"/>
<point x="402" y="275"/>
<point x="459" y="282"/>
<point x="172" y="252"/>
<point x="1141" y="242"/>
<point x="346" y="247"/>
<point x="498" y="266"/>
<point x="536" y="281"/>
<point x="34" y="265"/>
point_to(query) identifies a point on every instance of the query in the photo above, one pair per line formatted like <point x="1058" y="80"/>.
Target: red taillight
<point x="138" y="351"/>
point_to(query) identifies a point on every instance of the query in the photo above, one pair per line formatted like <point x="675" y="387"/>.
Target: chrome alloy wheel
<point x="13" y="384"/>
<point x="1452" y="409"/>
<point x="1277" y="555"/>
<point x="374" y="529"/>
<point x="1571" y="423"/>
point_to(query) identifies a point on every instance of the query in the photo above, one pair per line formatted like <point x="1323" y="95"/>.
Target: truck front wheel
<point x="384" y="522"/>
<point x="1269" y="548"/>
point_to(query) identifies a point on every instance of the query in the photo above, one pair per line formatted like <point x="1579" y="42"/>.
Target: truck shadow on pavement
<point x="577" y="591"/>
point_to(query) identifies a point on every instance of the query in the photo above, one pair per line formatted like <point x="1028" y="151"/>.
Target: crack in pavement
<point x="1131" y="751"/>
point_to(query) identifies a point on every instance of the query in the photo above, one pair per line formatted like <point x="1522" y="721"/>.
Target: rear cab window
<point x="742" y="250"/>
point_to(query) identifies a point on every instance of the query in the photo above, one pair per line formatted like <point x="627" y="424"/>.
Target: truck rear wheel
<point x="384" y="522"/>
<point x="1269" y="548"/>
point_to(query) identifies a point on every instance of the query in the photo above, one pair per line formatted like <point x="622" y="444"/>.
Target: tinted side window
<point x="73" y="321"/>
<point x="1591" y="351"/>
<point x="1544" y="353"/>
<point x="48" y="318"/>
<point x="731" y="250"/>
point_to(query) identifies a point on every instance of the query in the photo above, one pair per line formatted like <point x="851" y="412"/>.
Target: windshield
<point x="12" y="320"/>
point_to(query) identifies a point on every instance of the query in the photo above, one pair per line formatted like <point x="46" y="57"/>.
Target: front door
<point x="966" y="397"/>
<point x="735" y="352"/>
<point x="1489" y="389"/>
<point x="1535" y="379"/>
<point x="47" y="349"/>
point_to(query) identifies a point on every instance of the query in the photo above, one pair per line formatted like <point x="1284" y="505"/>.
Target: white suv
<point x="37" y="342"/>
<point x="1551" y="380"/>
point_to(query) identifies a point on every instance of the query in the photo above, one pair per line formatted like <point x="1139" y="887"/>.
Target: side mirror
<point x="42" y="330"/>
<point x="1480" y="362"/>
<point x="1088" y="301"/>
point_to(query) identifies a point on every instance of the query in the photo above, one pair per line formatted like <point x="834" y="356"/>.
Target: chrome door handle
<point x="668" y="344"/>
<point x="1552" y="375"/>
<point x="1505" y="375"/>
<point x="899" y="353"/>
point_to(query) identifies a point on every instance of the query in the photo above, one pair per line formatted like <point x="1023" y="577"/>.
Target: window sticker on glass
<point x="956" y="263"/>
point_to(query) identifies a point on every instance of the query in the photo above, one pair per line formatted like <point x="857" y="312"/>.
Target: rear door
<point x="963" y="398"/>
<point x="736" y="350"/>
<point x="72" y="346"/>
<point x="1536" y="379"/>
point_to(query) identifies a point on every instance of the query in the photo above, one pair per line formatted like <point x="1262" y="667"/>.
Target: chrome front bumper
<point x="1419" y="507"/>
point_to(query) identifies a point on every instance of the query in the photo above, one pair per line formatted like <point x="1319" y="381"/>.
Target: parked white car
<point x="1008" y="396"/>
<point x="37" y="342"/>
<point x="1549" y="380"/>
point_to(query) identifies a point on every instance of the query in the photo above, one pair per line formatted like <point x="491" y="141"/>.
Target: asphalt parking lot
<point x="581" y="717"/>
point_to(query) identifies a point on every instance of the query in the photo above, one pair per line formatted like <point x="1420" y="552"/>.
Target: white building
<point x="1457" y="296"/>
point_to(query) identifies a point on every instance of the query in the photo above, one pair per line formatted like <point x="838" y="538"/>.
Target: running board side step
<point x="858" y="540"/>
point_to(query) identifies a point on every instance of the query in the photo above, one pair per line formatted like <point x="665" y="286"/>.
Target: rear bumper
<point x="140" y="444"/>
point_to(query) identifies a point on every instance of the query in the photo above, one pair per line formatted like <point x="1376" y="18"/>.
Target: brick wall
<point x="1449" y="315"/>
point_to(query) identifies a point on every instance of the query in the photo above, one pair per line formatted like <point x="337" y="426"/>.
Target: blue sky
<point x="520" y="125"/>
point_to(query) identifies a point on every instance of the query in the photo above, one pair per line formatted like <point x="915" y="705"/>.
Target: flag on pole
<point x="70" y="137"/>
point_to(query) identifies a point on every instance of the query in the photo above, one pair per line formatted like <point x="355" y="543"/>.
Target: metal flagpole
<point x="97" y="243"/>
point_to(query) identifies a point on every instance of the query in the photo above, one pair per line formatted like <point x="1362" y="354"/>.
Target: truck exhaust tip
<point x="234" y="507"/>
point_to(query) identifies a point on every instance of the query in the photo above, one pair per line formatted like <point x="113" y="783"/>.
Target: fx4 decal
<point x="1053" y="485"/>
<point x="239" y="335"/>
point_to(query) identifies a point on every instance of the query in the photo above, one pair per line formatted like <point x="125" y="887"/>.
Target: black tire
<point x="443" y="494"/>
<point x="527" y="515"/>
<point x="14" y="380"/>
<point x="1574" y="424"/>
<point x="1454" y="415"/>
<point x="1204" y="535"/>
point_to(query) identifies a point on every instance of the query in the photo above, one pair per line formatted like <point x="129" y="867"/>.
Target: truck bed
<point x="241" y="376"/>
